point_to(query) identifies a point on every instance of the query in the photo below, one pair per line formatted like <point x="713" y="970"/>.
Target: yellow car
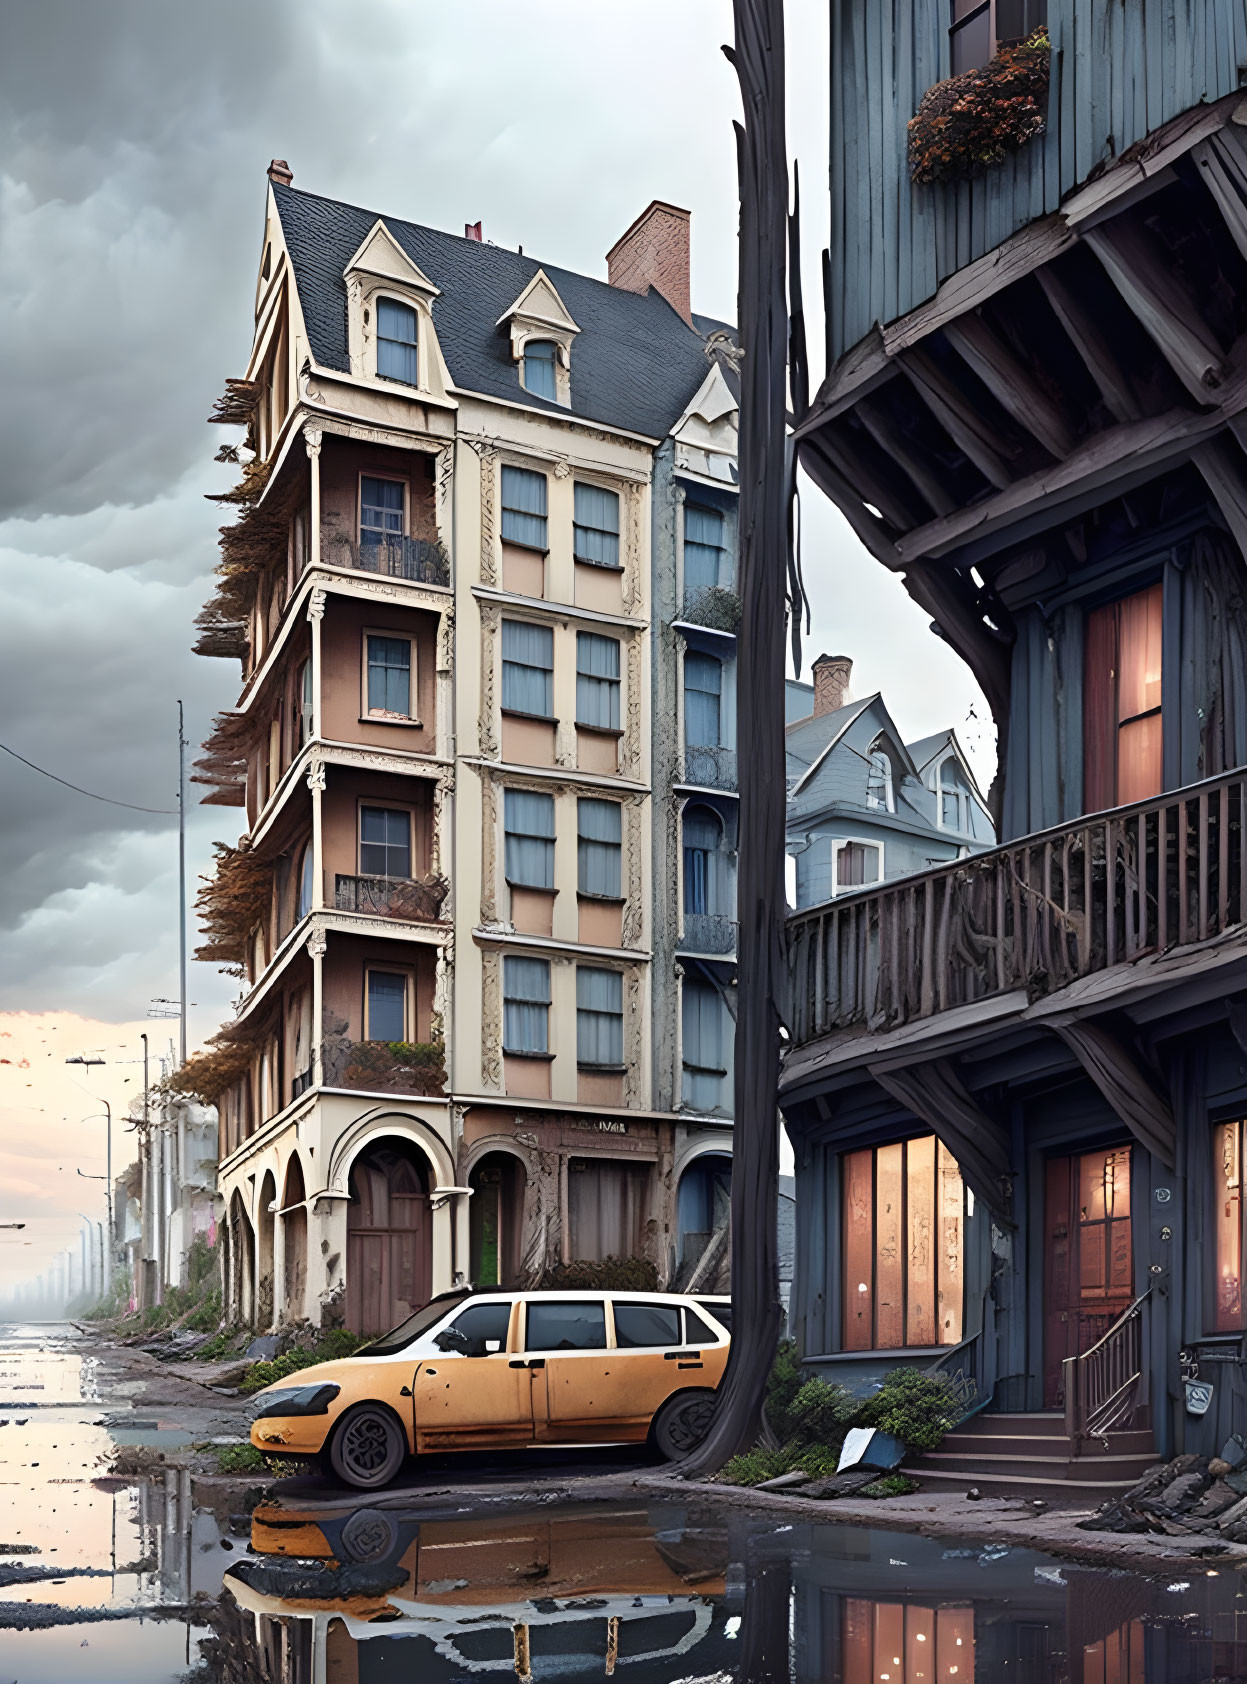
<point x="493" y="1370"/>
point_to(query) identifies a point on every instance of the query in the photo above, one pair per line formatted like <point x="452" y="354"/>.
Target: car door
<point x="645" y="1361"/>
<point x="565" y="1348"/>
<point x="460" y="1400"/>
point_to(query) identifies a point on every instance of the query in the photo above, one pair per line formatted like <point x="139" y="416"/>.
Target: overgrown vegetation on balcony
<point x="412" y="1067"/>
<point x="230" y="905"/>
<point x="970" y="122"/>
<point x="248" y="547"/>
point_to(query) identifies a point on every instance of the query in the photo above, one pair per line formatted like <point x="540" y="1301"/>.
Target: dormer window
<point x="951" y="797"/>
<point x="879" y="782"/>
<point x="539" y="363"/>
<point x="396" y="342"/>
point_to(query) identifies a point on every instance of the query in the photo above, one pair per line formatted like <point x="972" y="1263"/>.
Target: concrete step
<point x="962" y="1441"/>
<point x="1033" y="1464"/>
<point x="1083" y="1493"/>
<point x="1050" y="1423"/>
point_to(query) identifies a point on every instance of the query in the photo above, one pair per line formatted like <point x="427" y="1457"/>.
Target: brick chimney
<point x="472" y="231"/>
<point x="279" y="170"/>
<point x="831" y="682"/>
<point x="655" y="253"/>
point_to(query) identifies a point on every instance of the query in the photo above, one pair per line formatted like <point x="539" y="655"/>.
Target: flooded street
<point x="166" y="1576"/>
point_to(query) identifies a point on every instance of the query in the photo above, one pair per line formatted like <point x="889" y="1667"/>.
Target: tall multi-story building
<point x="1017" y="1086"/>
<point x="453" y="1056"/>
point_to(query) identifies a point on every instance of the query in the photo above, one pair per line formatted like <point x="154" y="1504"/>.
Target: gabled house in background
<point x="1017" y="1083"/>
<point x="863" y="807"/>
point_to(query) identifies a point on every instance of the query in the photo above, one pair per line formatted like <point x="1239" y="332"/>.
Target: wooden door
<point x="389" y="1241"/>
<point x="1088" y="1263"/>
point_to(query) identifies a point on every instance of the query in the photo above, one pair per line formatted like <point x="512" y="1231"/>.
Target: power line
<point x="78" y="789"/>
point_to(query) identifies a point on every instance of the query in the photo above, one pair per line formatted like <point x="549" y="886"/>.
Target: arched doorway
<point x="242" y="1252"/>
<point x="496" y="1219"/>
<point x="703" y="1210"/>
<point x="294" y="1242"/>
<point x="389" y="1237"/>
<point x="265" y="1222"/>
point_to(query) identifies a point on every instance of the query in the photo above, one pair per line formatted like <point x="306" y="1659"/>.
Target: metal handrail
<point x="1085" y="1418"/>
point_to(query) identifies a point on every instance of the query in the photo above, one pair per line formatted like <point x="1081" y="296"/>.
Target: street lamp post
<point x="108" y="1194"/>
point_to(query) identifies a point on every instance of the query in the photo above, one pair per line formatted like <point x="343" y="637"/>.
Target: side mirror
<point x="450" y="1339"/>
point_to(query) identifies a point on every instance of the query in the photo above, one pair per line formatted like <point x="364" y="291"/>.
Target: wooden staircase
<point x="1033" y="1456"/>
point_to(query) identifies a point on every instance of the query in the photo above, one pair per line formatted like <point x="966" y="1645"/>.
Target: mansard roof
<point x="636" y="364"/>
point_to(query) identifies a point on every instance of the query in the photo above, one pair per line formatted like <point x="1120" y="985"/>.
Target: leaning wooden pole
<point x="758" y="57"/>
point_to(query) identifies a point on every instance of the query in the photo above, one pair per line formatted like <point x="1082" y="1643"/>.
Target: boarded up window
<point x="904" y="1211"/>
<point x="1122" y="741"/>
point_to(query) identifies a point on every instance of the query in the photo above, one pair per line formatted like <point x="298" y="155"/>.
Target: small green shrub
<point x="752" y="1467"/>
<point x="915" y="1407"/>
<point x="889" y="1485"/>
<point x="334" y="1343"/>
<point x="222" y="1345"/>
<point x="239" y="1458"/>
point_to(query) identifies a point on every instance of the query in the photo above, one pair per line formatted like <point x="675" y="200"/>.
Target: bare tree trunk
<point x="763" y="315"/>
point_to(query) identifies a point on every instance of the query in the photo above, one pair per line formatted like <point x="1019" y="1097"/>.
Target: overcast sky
<point x="134" y="137"/>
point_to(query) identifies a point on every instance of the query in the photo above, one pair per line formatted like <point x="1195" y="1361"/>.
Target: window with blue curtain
<point x="703" y="839"/>
<point x="597" y="681"/>
<point x="539" y="357"/>
<point x="306" y="879"/>
<point x="524" y="508"/>
<point x="389" y="675"/>
<point x="528" y="820"/>
<point x="528" y="668"/>
<point x="384" y="842"/>
<point x="525" y="1005"/>
<point x="396" y="342"/>
<point x="387" y="1006"/>
<point x="595" y="526"/>
<point x="703" y="1045"/>
<point x="599" y="1017"/>
<point x="380" y="509"/>
<point x="600" y="831"/>
<point x="703" y="548"/>
<point x="703" y="688"/>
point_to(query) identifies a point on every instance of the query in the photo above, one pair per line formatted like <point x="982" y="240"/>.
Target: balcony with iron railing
<point x="421" y="561"/>
<point x="1033" y="915"/>
<point x="712" y="607"/>
<point x="417" y="900"/>
<point x="709" y="767"/>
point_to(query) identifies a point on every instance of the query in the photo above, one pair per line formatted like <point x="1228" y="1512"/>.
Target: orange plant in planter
<point x="972" y="121"/>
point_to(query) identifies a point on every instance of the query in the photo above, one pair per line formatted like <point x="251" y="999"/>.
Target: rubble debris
<point x="1182" y="1498"/>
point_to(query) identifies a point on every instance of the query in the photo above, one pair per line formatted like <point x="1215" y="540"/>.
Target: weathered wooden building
<point x="1018" y="1082"/>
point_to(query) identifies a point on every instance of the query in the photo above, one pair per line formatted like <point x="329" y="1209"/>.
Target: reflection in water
<point x="659" y="1592"/>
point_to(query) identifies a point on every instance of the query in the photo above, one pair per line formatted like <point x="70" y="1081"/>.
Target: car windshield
<point x="413" y="1327"/>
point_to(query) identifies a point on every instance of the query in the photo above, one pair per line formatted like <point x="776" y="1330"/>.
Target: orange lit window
<point x="1227" y="1186"/>
<point x="904" y="1211"/>
<point x="1122" y="742"/>
<point x="907" y="1644"/>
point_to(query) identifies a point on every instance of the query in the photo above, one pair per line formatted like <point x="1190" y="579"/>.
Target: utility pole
<point x="181" y="885"/>
<point x="87" y="1062"/>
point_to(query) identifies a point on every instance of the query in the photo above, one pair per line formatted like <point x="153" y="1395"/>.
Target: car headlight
<point x="299" y="1400"/>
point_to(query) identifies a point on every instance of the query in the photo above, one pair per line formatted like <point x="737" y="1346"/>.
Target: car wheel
<point x="368" y="1536"/>
<point x="368" y="1447"/>
<point x="682" y="1423"/>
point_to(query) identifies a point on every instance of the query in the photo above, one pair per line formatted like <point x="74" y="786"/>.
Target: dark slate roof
<point x="636" y="363"/>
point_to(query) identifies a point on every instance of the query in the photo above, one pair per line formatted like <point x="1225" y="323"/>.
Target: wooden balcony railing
<point x="416" y="899"/>
<point x="1035" y="914"/>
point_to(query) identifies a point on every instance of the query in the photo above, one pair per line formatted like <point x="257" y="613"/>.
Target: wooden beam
<point x="848" y="499"/>
<point x="1162" y="305"/>
<point x="1085" y="336"/>
<point x="1012" y="385"/>
<point x="990" y="658"/>
<point x="862" y="367"/>
<point x="936" y="1095"/>
<point x="957" y="415"/>
<point x="888" y="436"/>
<point x="1131" y="1092"/>
<point x="887" y="495"/>
<point x="1225" y="474"/>
<point x="1222" y="175"/>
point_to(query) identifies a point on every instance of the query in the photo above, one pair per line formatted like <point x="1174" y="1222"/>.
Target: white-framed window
<point x="389" y="676"/>
<point x="525" y="1005"/>
<point x="879" y="794"/>
<point x="597" y="681"/>
<point x="540" y="356"/>
<point x="854" y="864"/>
<point x="528" y="669"/>
<point x="397" y="354"/>
<point x="599" y="1018"/>
<point x="387" y="1004"/>
<point x="384" y="841"/>
<point x="595" y="525"/>
<point x="528" y="824"/>
<point x="524" y="508"/>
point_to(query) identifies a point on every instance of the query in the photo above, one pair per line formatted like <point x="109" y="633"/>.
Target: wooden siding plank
<point x="887" y="251"/>
<point x="1069" y="92"/>
<point x="1081" y="94"/>
<point x="879" y="108"/>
